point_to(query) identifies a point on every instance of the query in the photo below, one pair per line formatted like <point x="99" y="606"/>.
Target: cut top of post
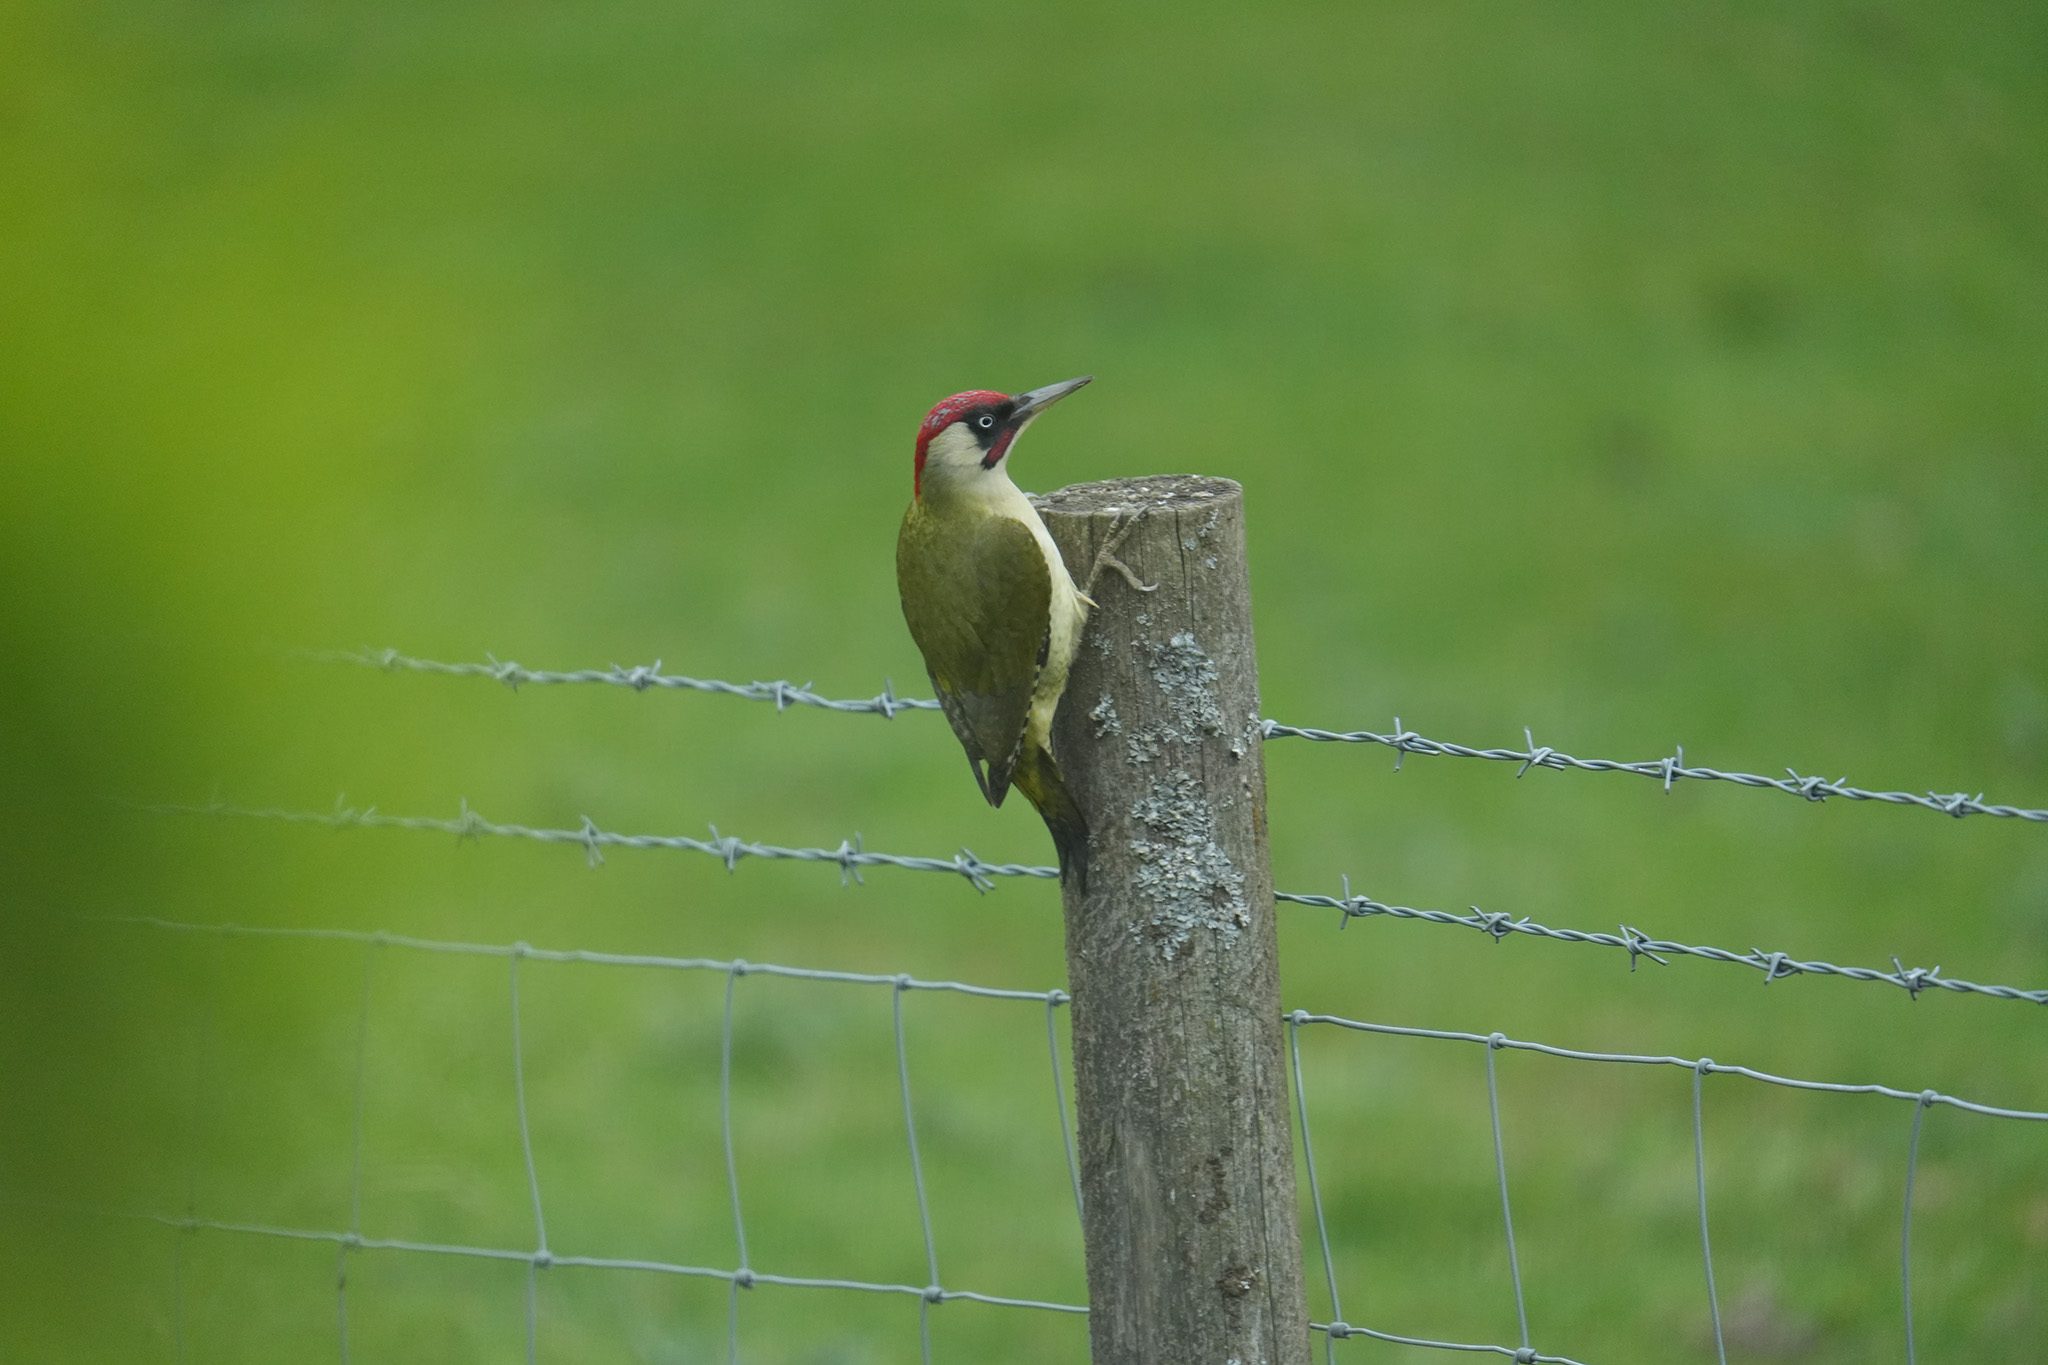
<point x="1110" y="497"/>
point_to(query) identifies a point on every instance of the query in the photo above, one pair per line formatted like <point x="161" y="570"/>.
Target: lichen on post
<point x="1187" y="1165"/>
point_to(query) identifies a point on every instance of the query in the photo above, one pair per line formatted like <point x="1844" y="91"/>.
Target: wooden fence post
<point x="1187" y="1165"/>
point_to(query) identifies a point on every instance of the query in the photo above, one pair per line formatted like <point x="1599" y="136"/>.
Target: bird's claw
<point x="1105" y="558"/>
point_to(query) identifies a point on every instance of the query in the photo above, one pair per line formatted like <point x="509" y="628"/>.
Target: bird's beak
<point x="1024" y="409"/>
<point x="1029" y="405"/>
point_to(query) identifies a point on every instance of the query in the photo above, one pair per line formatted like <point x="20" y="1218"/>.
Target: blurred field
<point x="1643" y="376"/>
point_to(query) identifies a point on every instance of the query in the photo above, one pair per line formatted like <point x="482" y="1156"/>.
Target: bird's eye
<point x="986" y="421"/>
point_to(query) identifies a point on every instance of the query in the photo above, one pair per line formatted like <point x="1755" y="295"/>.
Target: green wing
<point x="984" y="648"/>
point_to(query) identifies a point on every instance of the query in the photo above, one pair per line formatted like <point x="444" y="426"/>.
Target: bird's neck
<point x="975" y="493"/>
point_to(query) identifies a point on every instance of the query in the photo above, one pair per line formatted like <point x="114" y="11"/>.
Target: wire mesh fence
<point x="1700" y="1067"/>
<point x="355" y="1240"/>
<point x="543" y="1256"/>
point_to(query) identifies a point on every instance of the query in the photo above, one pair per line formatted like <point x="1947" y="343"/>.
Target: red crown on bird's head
<point x="947" y="412"/>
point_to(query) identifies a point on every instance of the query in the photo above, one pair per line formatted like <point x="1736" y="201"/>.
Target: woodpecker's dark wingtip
<point x="1070" y="841"/>
<point x="1038" y="777"/>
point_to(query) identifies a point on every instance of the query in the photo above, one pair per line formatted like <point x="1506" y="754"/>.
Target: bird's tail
<point x="1038" y="777"/>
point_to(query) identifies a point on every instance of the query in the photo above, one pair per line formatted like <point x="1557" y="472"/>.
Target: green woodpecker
<point x="991" y="605"/>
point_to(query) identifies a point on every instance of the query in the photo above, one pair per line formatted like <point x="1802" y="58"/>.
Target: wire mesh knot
<point x="1703" y="1067"/>
<point x="1525" y="1356"/>
<point x="743" y="1279"/>
<point x="1338" y="1331"/>
<point x="542" y="1259"/>
<point x="1496" y="1041"/>
<point x="931" y="1293"/>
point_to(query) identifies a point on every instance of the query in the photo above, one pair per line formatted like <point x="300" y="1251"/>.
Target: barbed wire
<point x="1775" y="966"/>
<point x="638" y="677"/>
<point x="1666" y="770"/>
<point x="1669" y="770"/>
<point x="850" y="856"/>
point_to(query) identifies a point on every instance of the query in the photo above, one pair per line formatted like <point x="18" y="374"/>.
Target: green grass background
<point x="1640" y="374"/>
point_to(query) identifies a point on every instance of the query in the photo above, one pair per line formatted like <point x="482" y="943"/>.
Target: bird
<point x="990" y="603"/>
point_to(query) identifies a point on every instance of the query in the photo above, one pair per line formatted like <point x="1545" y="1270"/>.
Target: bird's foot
<point x="1105" y="558"/>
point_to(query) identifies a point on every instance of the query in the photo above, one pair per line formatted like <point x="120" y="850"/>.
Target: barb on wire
<point x="850" y="857"/>
<point x="1401" y="739"/>
<point x="1774" y="965"/>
